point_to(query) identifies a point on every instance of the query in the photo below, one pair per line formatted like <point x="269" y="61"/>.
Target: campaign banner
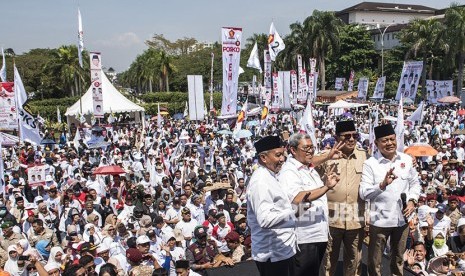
<point x="312" y="85"/>
<point x="379" y="88"/>
<point x="303" y="87"/>
<point x="437" y="89"/>
<point x="267" y="74"/>
<point x="284" y="88"/>
<point x="8" y="114"/>
<point x="196" y="100"/>
<point x="362" y="88"/>
<point x="231" y="52"/>
<point x="350" y="87"/>
<point x="339" y="85"/>
<point x="312" y="63"/>
<point x="409" y="79"/>
<point x="293" y="95"/>
<point x="36" y="175"/>
<point x="96" y="84"/>
<point x="275" y="99"/>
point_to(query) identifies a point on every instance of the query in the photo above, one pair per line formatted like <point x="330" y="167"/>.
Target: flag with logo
<point x="417" y="115"/>
<point x="264" y="115"/>
<point x="400" y="129"/>
<point x="241" y="117"/>
<point x="372" y="131"/>
<point x="275" y="42"/>
<point x="58" y="115"/>
<point x="254" y="61"/>
<point x="307" y="125"/>
<point x="3" y="69"/>
<point x="28" y="127"/>
<point x="80" y="38"/>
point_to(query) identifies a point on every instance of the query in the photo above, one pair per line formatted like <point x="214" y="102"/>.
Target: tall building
<point x="200" y="45"/>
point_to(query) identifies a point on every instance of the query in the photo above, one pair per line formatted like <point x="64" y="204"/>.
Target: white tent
<point x="340" y="105"/>
<point x="113" y="101"/>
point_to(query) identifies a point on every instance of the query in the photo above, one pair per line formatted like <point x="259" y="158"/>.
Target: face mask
<point x="439" y="242"/>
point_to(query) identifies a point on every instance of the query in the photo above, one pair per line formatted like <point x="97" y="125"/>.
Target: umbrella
<point x="225" y="131"/>
<point x="299" y="106"/>
<point x="449" y="99"/>
<point x="48" y="141"/>
<point x="243" y="133"/>
<point x="420" y="149"/>
<point x="164" y="113"/>
<point x="252" y="123"/>
<point x="459" y="132"/>
<point x="408" y="101"/>
<point x="461" y="112"/>
<point x="109" y="170"/>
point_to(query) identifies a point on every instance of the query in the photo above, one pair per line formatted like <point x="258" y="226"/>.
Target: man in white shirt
<point x="269" y="213"/>
<point x="386" y="178"/>
<point x="303" y="185"/>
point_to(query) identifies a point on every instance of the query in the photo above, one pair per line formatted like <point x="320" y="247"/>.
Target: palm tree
<point x="324" y="28"/>
<point x="455" y="22"/>
<point x="424" y="36"/>
<point x="166" y="68"/>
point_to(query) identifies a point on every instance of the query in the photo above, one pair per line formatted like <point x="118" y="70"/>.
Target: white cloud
<point x="124" y="40"/>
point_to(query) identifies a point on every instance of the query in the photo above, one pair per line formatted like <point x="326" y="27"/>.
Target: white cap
<point x="142" y="239"/>
<point x="460" y="222"/>
<point x="167" y="237"/>
<point x="424" y="172"/>
<point x="423" y="224"/>
<point x="219" y="202"/>
<point x="424" y="210"/>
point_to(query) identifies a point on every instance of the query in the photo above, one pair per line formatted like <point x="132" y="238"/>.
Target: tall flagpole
<point x="211" y="83"/>
<point x="80" y="49"/>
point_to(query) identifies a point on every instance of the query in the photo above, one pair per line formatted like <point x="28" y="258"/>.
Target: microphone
<point x="403" y="198"/>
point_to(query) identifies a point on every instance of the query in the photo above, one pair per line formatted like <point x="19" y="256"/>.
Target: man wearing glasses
<point x="391" y="184"/>
<point x="305" y="189"/>
<point x="346" y="209"/>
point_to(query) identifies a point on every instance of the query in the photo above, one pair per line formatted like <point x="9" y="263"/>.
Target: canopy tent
<point x="8" y="140"/>
<point x="113" y="102"/>
<point x="340" y="105"/>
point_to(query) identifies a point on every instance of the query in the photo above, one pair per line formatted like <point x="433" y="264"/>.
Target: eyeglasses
<point x="307" y="149"/>
<point x="350" y="135"/>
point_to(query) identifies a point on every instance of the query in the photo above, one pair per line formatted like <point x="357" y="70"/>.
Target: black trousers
<point x="308" y="258"/>
<point x="281" y="268"/>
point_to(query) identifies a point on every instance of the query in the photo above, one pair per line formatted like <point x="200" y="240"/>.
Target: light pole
<point x="382" y="33"/>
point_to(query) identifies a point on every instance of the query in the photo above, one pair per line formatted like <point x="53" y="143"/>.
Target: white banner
<point x="409" y="79"/>
<point x="275" y="99"/>
<point x="312" y="86"/>
<point x="303" y="88"/>
<point x="231" y="49"/>
<point x="195" y="88"/>
<point x="285" y="89"/>
<point x="362" y="88"/>
<point x="350" y="87"/>
<point x="379" y="88"/>
<point x="8" y="115"/>
<point x="267" y="75"/>
<point x="339" y="85"/>
<point x="96" y="83"/>
<point x="36" y="175"/>
<point x="293" y="87"/>
<point x="438" y="89"/>
<point x="312" y="65"/>
<point x="275" y="42"/>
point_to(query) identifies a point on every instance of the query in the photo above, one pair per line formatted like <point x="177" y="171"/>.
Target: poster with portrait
<point x="303" y="86"/>
<point x="96" y="84"/>
<point x="36" y="175"/>
<point x="409" y="79"/>
<point x="362" y="88"/>
<point x="339" y="86"/>
<point x="293" y="87"/>
<point x="8" y="116"/>
<point x="437" y="89"/>
<point x="379" y="88"/>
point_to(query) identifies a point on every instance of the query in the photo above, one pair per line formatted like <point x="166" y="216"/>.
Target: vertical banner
<point x="285" y="89"/>
<point x="275" y="94"/>
<point x="303" y="88"/>
<point x="409" y="79"/>
<point x="312" y="81"/>
<point x="267" y="75"/>
<point x="362" y="88"/>
<point x="339" y="85"/>
<point x="379" y="88"/>
<point x="293" y="87"/>
<point x="195" y="89"/>
<point x="231" y="49"/>
<point x="438" y="89"/>
<point x="96" y="84"/>
<point x="312" y="63"/>
<point x="350" y="87"/>
<point x="8" y="115"/>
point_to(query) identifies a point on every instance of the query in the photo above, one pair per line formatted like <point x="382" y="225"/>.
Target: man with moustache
<point x="346" y="209"/>
<point x="385" y="177"/>
<point x="269" y="213"/>
<point x="303" y="185"/>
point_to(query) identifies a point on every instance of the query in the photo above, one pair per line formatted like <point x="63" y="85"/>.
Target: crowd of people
<point x="191" y="199"/>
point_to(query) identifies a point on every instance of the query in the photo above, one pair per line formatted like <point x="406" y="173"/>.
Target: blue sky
<point x="118" y="28"/>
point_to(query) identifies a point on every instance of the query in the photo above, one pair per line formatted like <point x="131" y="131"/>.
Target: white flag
<point x="28" y="127"/>
<point x="241" y="117"/>
<point x="159" y="119"/>
<point x="264" y="115"/>
<point x="372" y="131"/>
<point x="254" y="61"/>
<point x="186" y="110"/>
<point x="76" y="139"/>
<point x="2" y="169"/>
<point x="400" y="125"/>
<point x="58" y="115"/>
<point x="80" y="38"/>
<point x="3" y="69"/>
<point x="275" y="42"/>
<point x="417" y="115"/>
<point x="307" y="125"/>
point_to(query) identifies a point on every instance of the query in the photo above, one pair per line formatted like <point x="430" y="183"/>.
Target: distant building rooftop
<point x="388" y="7"/>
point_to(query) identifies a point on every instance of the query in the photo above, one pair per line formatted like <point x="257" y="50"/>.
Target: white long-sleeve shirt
<point x="386" y="206"/>
<point x="270" y="218"/>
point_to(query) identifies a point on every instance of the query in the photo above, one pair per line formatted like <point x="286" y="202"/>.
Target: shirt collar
<point x="298" y="164"/>
<point x="382" y="159"/>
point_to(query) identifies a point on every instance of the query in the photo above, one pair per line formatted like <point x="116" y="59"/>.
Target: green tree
<point x="455" y="22"/>
<point x="179" y="47"/>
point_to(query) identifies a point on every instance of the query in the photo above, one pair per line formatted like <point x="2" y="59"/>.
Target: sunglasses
<point x="350" y="135"/>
